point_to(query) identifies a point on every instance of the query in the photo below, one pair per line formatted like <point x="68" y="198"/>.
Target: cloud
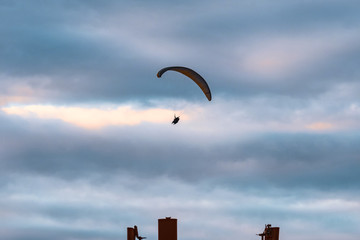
<point x="93" y="118"/>
<point x="320" y="126"/>
<point x="278" y="143"/>
<point x="235" y="159"/>
<point x="105" y="54"/>
<point x="88" y="208"/>
<point x="4" y="100"/>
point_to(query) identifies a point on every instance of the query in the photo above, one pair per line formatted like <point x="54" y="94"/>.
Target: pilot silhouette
<point x="176" y="119"/>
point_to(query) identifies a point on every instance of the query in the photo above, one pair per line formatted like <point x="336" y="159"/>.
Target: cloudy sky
<point x="86" y="144"/>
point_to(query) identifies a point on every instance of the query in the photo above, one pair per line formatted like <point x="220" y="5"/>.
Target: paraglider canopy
<point x="200" y="81"/>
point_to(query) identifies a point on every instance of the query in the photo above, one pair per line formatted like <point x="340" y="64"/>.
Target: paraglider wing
<point x="200" y="81"/>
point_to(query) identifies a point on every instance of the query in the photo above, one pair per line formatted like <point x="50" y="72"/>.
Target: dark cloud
<point x="319" y="161"/>
<point x="87" y="51"/>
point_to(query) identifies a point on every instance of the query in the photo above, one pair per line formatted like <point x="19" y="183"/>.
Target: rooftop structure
<point x="270" y="233"/>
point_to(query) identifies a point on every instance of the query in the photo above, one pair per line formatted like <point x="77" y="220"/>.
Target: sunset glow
<point x="93" y="118"/>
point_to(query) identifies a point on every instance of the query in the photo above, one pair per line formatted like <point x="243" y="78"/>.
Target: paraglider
<point x="199" y="80"/>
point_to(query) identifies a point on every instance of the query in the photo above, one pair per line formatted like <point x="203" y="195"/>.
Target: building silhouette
<point x="167" y="229"/>
<point x="270" y="233"/>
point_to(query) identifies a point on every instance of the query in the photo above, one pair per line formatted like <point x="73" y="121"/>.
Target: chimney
<point x="167" y="229"/>
<point x="130" y="233"/>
